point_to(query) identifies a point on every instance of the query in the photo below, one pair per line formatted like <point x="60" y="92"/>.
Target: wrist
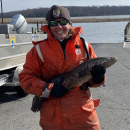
<point x="84" y="86"/>
<point x="47" y="90"/>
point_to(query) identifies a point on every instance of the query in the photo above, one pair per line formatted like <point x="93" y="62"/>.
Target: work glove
<point x="97" y="73"/>
<point x="58" y="90"/>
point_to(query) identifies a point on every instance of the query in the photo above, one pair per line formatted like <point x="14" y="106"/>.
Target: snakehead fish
<point x="76" y="77"/>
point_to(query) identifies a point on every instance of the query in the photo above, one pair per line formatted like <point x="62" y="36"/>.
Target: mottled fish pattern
<point x="76" y="77"/>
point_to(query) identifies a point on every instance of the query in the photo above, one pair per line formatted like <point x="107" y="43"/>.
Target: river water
<point x="103" y="32"/>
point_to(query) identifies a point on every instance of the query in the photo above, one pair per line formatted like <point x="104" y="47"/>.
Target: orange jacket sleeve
<point x="30" y="77"/>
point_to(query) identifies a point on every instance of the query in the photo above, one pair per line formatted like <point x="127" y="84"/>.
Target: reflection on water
<point x="103" y="32"/>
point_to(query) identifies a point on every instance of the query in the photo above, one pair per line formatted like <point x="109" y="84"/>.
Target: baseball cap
<point x="57" y="12"/>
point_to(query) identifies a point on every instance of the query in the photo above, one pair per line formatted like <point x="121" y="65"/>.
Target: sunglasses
<point x="55" y="23"/>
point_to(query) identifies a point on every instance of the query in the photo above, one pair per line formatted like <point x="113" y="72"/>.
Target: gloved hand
<point x="97" y="73"/>
<point x="58" y="90"/>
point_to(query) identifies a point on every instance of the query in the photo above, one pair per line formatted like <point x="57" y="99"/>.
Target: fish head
<point x="105" y="61"/>
<point x="109" y="61"/>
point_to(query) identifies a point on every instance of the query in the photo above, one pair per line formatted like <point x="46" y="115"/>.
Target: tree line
<point x="75" y="11"/>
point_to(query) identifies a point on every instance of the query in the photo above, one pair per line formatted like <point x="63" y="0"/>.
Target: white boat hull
<point x="14" y="47"/>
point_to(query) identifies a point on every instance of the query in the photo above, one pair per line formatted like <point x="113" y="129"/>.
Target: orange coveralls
<point x="76" y="110"/>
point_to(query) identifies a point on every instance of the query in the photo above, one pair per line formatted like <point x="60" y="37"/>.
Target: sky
<point x="16" y="5"/>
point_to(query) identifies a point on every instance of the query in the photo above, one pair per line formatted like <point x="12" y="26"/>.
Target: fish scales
<point x="81" y="74"/>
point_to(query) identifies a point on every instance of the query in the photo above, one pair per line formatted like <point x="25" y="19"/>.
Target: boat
<point x="15" y="43"/>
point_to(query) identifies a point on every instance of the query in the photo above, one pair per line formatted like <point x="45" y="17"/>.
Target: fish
<point x="82" y="73"/>
<point x="76" y="77"/>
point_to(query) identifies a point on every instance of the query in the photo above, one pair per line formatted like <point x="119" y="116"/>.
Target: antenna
<point x="2" y="11"/>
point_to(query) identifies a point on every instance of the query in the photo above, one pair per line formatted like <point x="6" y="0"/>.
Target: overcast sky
<point x="15" y="5"/>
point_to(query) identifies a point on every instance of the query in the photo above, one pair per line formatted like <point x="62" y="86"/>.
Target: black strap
<point x="86" y="49"/>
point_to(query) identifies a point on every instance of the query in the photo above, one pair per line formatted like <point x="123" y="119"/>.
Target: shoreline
<point x="80" y="20"/>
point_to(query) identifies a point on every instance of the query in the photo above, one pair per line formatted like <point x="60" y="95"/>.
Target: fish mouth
<point x="114" y="59"/>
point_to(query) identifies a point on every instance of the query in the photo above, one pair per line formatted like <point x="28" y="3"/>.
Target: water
<point x="104" y="17"/>
<point x="103" y="32"/>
